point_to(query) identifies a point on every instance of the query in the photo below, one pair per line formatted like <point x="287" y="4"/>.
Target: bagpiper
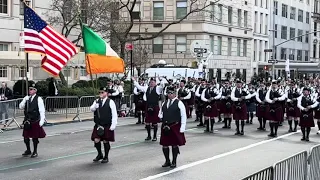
<point x="251" y="105"/>
<point x="173" y="115"/>
<point x="151" y="96"/>
<point x="105" y="122"/>
<point x="239" y="109"/>
<point x="184" y="95"/>
<point x="34" y="118"/>
<point x="199" y="102"/>
<point x="306" y="104"/>
<point x="292" y="111"/>
<point x="140" y="103"/>
<point x="274" y="97"/>
<point x="317" y="109"/>
<point x="261" y="106"/>
<point x="210" y="95"/>
<point x="226" y="104"/>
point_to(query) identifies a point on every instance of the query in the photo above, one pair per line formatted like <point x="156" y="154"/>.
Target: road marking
<point x="186" y="166"/>
<point x="74" y="155"/>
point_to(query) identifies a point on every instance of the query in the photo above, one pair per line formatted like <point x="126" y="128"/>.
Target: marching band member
<point x="293" y="112"/>
<point x="219" y="87"/>
<point x="114" y="94"/>
<point x="251" y="105"/>
<point x="239" y="109"/>
<point x="34" y="118"/>
<point x="105" y="119"/>
<point x="191" y="87"/>
<point x="199" y="102"/>
<point x="184" y="95"/>
<point x="173" y="115"/>
<point x="306" y="103"/>
<point x="140" y="104"/>
<point x="210" y="95"/>
<point x="317" y="110"/>
<point x="261" y="106"/>
<point x="226" y="104"/>
<point x="151" y="96"/>
<point x="274" y="97"/>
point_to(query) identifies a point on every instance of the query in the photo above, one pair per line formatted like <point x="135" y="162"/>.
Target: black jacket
<point x="7" y="93"/>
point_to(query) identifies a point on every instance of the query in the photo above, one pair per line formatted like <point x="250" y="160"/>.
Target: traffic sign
<point x="267" y="50"/>
<point x="200" y="50"/>
<point x="129" y="47"/>
<point x="272" y="61"/>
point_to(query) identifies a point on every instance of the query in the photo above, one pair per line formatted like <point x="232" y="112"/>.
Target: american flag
<point x="39" y="37"/>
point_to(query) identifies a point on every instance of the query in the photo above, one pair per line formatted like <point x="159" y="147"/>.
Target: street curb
<point x="56" y="123"/>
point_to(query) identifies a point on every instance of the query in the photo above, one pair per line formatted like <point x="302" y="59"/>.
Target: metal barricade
<point x="84" y="107"/>
<point x="61" y="106"/>
<point x="265" y="174"/>
<point x="314" y="162"/>
<point x="292" y="168"/>
<point x="8" y="110"/>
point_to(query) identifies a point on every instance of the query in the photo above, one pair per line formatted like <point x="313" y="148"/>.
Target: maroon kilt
<point x="108" y="134"/>
<point x="154" y="117"/>
<point x="261" y="110"/>
<point x="191" y="101"/>
<point x="213" y="112"/>
<point x="140" y="105"/>
<point x="223" y="107"/>
<point x="35" y="132"/>
<point x="293" y="111"/>
<point x="186" y="105"/>
<point x="317" y="114"/>
<point x="309" y="122"/>
<point x="218" y="103"/>
<point x="277" y="116"/>
<point x="239" y="114"/>
<point x="174" y="138"/>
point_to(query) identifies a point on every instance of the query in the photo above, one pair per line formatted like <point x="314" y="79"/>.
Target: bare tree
<point x="66" y="14"/>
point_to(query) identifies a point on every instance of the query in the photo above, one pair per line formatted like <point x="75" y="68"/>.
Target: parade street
<point x="67" y="153"/>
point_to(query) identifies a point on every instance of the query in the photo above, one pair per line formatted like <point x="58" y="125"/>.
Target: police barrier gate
<point x="61" y="105"/>
<point x="292" y="168"/>
<point x="314" y="162"/>
<point x="84" y="107"/>
<point x="265" y="174"/>
<point x="8" y="110"/>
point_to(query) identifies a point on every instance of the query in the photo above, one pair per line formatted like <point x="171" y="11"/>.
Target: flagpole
<point x="27" y="62"/>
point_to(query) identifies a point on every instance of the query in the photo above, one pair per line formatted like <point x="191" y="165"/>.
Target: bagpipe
<point x="210" y="94"/>
<point x="227" y="93"/>
<point x="239" y="104"/>
<point x="183" y="93"/>
<point x="305" y="102"/>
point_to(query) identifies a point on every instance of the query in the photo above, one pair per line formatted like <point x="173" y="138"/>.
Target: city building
<point x="225" y="27"/>
<point x="291" y="23"/>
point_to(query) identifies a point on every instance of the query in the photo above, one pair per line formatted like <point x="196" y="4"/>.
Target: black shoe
<point x="200" y="125"/>
<point x="154" y="139"/>
<point x="138" y="122"/>
<point x="271" y="135"/>
<point x="205" y="131"/>
<point x="247" y="121"/>
<point x="295" y="130"/>
<point x="166" y="164"/>
<point x="225" y="127"/>
<point x="105" y="160"/>
<point x="34" y="155"/>
<point x="173" y="165"/>
<point x="98" y="158"/>
<point x="307" y="139"/>
<point x="229" y="127"/>
<point x="303" y="139"/>
<point x="260" y="128"/>
<point x="211" y="131"/>
<point x="148" y="138"/>
<point x="290" y="130"/>
<point x="26" y="153"/>
<point x="237" y="133"/>
<point x="242" y="133"/>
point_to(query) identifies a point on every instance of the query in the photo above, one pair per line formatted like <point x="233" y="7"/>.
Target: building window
<point x="245" y="15"/>
<point x="212" y="44"/>
<point x="276" y="31"/>
<point x="307" y="36"/>
<point x="300" y="35"/>
<point x="275" y="6"/>
<point x="299" y="55"/>
<point x="307" y="17"/>
<point x="284" y="10"/>
<point x="83" y="71"/>
<point x="267" y="4"/>
<point x="292" y="53"/>
<point x="67" y="71"/>
<point x="292" y="33"/>
<point x="315" y="29"/>
<point x="261" y="3"/>
<point x="138" y="8"/>
<point x="306" y="55"/>
<point x="4" y="6"/>
<point x="255" y="21"/>
<point x="265" y="46"/>
<point x="255" y="50"/>
<point x="220" y="13"/>
<point x="283" y="53"/>
<point x="261" y="22"/>
<point x="3" y="72"/>
<point x="293" y="13"/>
<point x="316" y="2"/>
<point x="3" y="46"/>
<point x="300" y="15"/>
<point x="256" y="2"/>
<point x="230" y="15"/>
<point x="22" y="71"/>
<point x="245" y="48"/>
<point x="275" y="52"/>
<point x="219" y="45"/>
<point x="239" y="17"/>
<point x="21" y="8"/>
<point x="283" y="32"/>
<point x="158" y="10"/>
<point x="260" y="50"/>
<point x="238" y="46"/>
<point x="266" y="25"/>
<point x="314" y="50"/>
<point x="212" y="15"/>
<point x="181" y="44"/>
<point x="229" y="46"/>
<point x="157" y="46"/>
<point x="181" y="9"/>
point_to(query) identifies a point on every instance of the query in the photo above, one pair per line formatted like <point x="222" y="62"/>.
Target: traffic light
<point x="266" y="68"/>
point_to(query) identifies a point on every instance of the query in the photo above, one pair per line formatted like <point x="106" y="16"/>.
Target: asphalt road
<point x="67" y="153"/>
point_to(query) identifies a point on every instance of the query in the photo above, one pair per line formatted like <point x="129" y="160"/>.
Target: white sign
<point x="198" y="47"/>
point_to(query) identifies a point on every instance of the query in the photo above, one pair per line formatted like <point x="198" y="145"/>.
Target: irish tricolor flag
<point x="100" y="57"/>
